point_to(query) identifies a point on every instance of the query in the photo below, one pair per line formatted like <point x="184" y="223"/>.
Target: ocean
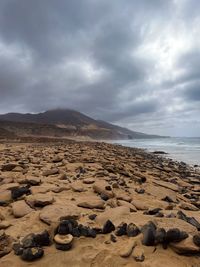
<point x="180" y="149"/>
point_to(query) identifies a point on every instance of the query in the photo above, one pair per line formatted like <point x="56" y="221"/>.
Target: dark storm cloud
<point x="109" y="59"/>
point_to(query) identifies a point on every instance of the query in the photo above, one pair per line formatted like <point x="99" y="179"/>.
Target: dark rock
<point x="75" y="232"/>
<point x="97" y="230"/>
<point x="152" y="211"/>
<point x="196" y="240"/>
<point x="121" y="229"/>
<point x="149" y="224"/>
<point x="104" y="197"/>
<point x="108" y="187"/>
<point x="175" y="235"/>
<point x="108" y="227"/>
<point x="132" y="230"/>
<point x="28" y="241"/>
<point x="5" y="244"/>
<point x="167" y="199"/>
<point x="140" y="190"/>
<point x="63" y="247"/>
<point x="3" y="203"/>
<point x="31" y="254"/>
<point x="92" y="217"/>
<point x="159" y="152"/>
<point x="190" y="220"/>
<point x="160" y="236"/>
<point x="18" y="249"/>
<point x="42" y="239"/>
<point x="19" y="192"/>
<point x="66" y="226"/>
<point x="91" y="233"/>
<point x="113" y="238"/>
<point x="159" y="215"/>
<point x="8" y="167"/>
<point x="149" y="232"/>
<point x="83" y="230"/>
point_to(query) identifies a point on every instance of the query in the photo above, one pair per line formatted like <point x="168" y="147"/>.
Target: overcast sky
<point x="135" y="63"/>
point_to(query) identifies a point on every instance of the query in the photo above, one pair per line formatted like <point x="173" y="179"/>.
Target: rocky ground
<point x="96" y="204"/>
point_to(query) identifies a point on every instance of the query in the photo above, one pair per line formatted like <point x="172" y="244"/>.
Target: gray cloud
<point x="135" y="63"/>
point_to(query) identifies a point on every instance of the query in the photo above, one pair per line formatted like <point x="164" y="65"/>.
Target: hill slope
<point x="64" y="123"/>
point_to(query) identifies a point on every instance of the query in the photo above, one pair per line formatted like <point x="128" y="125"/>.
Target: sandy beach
<point x="131" y="208"/>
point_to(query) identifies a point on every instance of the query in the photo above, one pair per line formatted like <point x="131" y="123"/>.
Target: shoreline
<point x="93" y="182"/>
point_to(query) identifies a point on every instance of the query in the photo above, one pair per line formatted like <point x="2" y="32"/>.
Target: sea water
<point x="180" y="149"/>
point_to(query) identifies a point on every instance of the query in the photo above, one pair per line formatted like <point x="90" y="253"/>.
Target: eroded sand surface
<point x="123" y="185"/>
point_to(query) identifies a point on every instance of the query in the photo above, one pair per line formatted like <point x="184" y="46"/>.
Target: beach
<point x="125" y="206"/>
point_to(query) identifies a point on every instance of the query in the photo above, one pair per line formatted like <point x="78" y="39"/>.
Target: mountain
<point x="63" y="123"/>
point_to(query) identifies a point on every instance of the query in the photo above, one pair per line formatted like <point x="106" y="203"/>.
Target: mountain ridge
<point x="64" y="123"/>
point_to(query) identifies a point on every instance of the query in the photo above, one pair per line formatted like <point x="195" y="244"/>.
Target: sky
<point x="135" y="63"/>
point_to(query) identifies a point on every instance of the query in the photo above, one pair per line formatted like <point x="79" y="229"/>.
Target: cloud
<point x="135" y="63"/>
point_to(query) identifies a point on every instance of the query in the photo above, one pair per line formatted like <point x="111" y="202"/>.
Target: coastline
<point x="116" y="183"/>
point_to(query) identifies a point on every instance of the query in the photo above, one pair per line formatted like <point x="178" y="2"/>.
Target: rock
<point x="139" y="205"/>
<point x="149" y="233"/>
<point x="92" y="217"/>
<point x="18" y="169"/>
<point x="190" y="220"/>
<point x="108" y="227"/>
<point x="20" y="209"/>
<point x="57" y="159"/>
<point x="55" y="212"/>
<point x="185" y="247"/>
<point x="86" y="231"/>
<point x="42" y="239"/>
<point x="113" y="203"/>
<point x="152" y="211"/>
<point x="39" y="200"/>
<point x="159" y="152"/>
<point x="36" y="240"/>
<point x="167" y="185"/>
<point x="188" y="206"/>
<point x="91" y="203"/>
<point x="77" y="187"/>
<point x="126" y="204"/>
<point x="88" y="181"/>
<point x="113" y="238"/>
<point x="66" y="227"/>
<point x="9" y="186"/>
<point x="196" y="240"/>
<point x="5" y="197"/>
<point x="31" y="254"/>
<point x="138" y="254"/>
<point x="8" y="167"/>
<point x="121" y="229"/>
<point x="100" y="187"/>
<point x="132" y="230"/>
<point x="127" y="249"/>
<point x="63" y="242"/>
<point x="5" y="244"/>
<point x="175" y="235"/>
<point x="4" y="224"/>
<point x="32" y="180"/>
<point x="160" y="236"/>
<point x="168" y="199"/>
<point x="50" y="172"/>
<point x="104" y="197"/>
<point x="140" y="190"/>
<point x="18" y="249"/>
<point x="124" y="197"/>
<point x="19" y="192"/>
